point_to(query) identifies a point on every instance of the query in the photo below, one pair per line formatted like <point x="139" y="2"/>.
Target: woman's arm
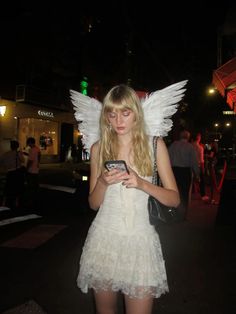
<point x="100" y="183"/>
<point x="168" y="194"/>
<point x="97" y="187"/>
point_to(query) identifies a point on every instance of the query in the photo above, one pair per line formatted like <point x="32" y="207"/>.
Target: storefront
<point x="54" y="130"/>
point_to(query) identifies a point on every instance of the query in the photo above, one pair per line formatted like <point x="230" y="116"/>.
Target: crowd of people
<point x="21" y="169"/>
<point x="191" y="162"/>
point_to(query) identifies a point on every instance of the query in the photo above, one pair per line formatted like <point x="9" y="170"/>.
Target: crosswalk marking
<point x="58" y="188"/>
<point x="3" y="208"/>
<point x="19" y="218"/>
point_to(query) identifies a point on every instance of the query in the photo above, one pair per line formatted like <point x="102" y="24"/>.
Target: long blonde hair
<point x="122" y="97"/>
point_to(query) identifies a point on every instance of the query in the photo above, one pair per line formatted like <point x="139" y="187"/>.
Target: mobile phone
<point x="116" y="164"/>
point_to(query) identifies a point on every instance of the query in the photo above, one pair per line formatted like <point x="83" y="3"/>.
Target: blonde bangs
<point x="117" y="107"/>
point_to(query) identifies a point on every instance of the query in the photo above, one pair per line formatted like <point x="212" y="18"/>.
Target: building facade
<point x="54" y="130"/>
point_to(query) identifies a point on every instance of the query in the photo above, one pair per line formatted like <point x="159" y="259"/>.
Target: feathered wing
<point x="158" y="109"/>
<point x="87" y="113"/>
<point x="160" y="106"/>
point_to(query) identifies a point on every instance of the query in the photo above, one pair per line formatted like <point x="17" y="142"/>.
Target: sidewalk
<point x="203" y="213"/>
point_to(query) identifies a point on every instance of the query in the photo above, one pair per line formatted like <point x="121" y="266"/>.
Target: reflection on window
<point x="45" y="133"/>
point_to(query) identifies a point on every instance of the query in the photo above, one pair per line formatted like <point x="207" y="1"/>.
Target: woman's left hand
<point x="132" y="180"/>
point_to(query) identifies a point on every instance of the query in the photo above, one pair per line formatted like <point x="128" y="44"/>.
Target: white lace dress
<point x="122" y="251"/>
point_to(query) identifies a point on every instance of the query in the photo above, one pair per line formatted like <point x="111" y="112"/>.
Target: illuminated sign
<point x="229" y="112"/>
<point x="47" y="114"/>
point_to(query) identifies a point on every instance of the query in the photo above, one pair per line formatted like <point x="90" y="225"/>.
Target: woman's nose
<point x="119" y="118"/>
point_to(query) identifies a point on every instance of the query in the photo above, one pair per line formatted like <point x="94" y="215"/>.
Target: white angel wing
<point x="87" y="113"/>
<point x="160" y="106"/>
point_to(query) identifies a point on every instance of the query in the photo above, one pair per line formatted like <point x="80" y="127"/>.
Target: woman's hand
<point x="113" y="176"/>
<point x="132" y="180"/>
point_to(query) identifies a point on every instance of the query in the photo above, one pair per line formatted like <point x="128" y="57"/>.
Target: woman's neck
<point x="125" y="149"/>
<point x="124" y="140"/>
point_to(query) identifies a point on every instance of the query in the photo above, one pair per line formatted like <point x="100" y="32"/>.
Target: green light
<point x="83" y="86"/>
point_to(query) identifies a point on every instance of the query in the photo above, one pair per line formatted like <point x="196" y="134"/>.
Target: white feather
<point x="87" y="113"/>
<point x="159" y="107"/>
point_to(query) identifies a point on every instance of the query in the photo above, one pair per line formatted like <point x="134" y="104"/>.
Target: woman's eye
<point x="111" y="115"/>
<point x="126" y="113"/>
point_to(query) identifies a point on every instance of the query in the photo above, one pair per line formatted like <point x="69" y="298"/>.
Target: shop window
<point x="45" y="133"/>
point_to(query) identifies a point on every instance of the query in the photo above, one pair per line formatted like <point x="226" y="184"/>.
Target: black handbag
<point x="158" y="212"/>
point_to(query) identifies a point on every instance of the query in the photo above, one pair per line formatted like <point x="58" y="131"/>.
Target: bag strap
<point x="154" y="175"/>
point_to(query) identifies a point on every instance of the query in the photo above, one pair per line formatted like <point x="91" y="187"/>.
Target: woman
<point x="122" y="251"/>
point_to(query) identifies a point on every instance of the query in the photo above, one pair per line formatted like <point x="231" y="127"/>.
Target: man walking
<point x="184" y="164"/>
<point x="200" y="157"/>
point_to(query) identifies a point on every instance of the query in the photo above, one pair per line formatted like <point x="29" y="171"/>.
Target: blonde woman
<point x="122" y="252"/>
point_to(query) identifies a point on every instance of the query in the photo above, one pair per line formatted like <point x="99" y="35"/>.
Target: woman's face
<point x="121" y="121"/>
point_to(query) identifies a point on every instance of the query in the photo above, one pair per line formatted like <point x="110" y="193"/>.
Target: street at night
<point x="90" y="83"/>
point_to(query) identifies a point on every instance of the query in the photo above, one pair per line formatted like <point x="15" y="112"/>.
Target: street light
<point x="211" y="91"/>
<point x="2" y="110"/>
<point x="216" y="125"/>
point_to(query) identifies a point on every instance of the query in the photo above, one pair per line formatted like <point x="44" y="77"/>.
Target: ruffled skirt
<point x="130" y="263"/>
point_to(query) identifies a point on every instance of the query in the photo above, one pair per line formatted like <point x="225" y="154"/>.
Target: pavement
<point x="39" y="257"/>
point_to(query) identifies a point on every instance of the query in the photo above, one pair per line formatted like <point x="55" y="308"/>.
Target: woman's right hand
<point x="112" y="177"/>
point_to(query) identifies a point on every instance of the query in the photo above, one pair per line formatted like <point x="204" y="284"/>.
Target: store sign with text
<point x="47" y="114"/>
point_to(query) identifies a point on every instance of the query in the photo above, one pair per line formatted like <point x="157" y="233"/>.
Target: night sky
<point x="53" y="46"/>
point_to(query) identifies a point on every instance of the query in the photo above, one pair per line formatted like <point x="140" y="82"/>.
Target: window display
<point x="45" y="133"/>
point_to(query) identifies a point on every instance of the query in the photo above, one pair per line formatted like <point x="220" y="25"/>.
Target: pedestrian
<point x="211" y="161"/>
<point x="12" y="162"/>
<point x="199" y="148"/>
<point x="68" y="154"/>
<point x="184" y="163"/>
<point x="32" y="169"/>
<point x="122" y="251"/>
<point x="26" y="155"/>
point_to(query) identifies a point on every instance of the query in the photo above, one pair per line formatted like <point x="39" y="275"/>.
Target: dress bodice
<point x="123" y="209"/>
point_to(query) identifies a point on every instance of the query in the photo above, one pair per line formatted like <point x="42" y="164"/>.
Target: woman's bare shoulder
<point x="161" y="142"/>
<point x="161" y="146"/>
<point x="95" y="148"/>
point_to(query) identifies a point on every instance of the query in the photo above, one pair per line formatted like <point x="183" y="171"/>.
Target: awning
<point x="224" y="79"/>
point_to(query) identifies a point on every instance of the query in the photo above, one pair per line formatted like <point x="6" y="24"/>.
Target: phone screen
<point x="116" y="164"/>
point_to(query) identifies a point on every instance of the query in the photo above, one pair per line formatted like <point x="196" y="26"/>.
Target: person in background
<point x="211" y="153"/>
<point x="11" y="162"/>
<point x="211" y="161"/>
<point x="32" y="170"/>
<point x="26" y="155"/>
<point x="184" y="163"/>
<point x="199" y="148"/>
